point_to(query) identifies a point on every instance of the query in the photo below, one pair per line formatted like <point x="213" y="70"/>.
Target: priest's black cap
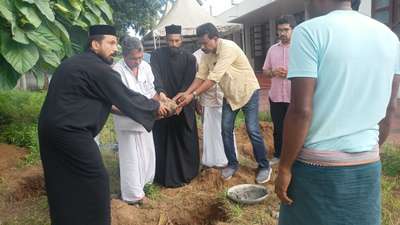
<point x="173" y="29"/>
<point x="102" y="30"/>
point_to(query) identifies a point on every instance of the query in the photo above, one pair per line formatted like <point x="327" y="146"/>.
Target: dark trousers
<point x="278" y="113"/>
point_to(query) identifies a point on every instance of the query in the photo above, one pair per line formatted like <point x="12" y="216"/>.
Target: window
<point x="259" y="46"/>
<point x="387" y="12"/>
<point x="396" y="12"/>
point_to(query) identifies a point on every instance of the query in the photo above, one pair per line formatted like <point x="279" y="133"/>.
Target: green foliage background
<point x="35" y="35"/>
<point x="19" y="113"/>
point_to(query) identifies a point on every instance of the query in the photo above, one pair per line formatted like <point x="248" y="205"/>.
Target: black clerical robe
<point x="175" y="138"/>
<point x="78" y="102"/>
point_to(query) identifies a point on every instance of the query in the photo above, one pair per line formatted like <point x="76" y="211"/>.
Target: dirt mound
<point x="29" y="184"/>
<point x="199" y="203"/>
<point x="195" y="204"/>
<point x="243" y="142"/>
<point x="10" y="157"/>
<point x="21" y="182"/>
<point x="202" y="202"/>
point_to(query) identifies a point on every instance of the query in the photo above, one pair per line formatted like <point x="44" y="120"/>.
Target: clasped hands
<point x="168" y="107"/>
<point x="280" y="72"/>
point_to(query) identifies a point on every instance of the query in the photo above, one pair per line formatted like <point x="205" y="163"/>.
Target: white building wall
<point x="366" y="7"/>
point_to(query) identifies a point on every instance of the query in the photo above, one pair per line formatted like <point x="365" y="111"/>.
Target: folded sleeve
<point x="203" y="71"/>
<point x="303" y="59"/>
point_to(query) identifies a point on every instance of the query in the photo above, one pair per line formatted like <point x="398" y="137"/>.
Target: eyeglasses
<point x="281" y="31"/>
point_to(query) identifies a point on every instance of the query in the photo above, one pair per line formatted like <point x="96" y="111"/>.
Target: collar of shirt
<point x="140" y="76"/>
<point x="283" y="45"/>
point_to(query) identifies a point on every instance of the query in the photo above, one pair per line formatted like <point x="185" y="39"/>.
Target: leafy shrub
<point x="36" y="35"/>
<point x="19" y="114"/>
<point x="23" y="135"/>
<point x="20" y="106"/>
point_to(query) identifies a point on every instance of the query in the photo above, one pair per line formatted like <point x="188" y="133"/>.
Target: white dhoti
<point x="137" y="163"/>
<point x="213" y="146"/>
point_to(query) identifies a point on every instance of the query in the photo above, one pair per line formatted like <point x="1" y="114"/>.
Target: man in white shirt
<point x="136" y="146"/>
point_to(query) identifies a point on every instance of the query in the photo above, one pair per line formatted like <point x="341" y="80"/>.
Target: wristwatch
<point x="195" y="95"/>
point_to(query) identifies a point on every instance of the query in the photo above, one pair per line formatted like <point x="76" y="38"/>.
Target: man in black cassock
<point x="175" y="138"/>
<point x="78" y="102"/>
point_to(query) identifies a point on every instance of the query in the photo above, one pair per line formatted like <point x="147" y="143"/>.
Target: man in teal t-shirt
<point x="344" y="70"/>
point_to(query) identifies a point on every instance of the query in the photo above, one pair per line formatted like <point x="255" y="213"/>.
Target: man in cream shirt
<point x="227" y="65"/>
<point x="136" y="146"/>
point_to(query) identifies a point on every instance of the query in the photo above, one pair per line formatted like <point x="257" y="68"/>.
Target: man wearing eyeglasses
<point x="275" y="67"/>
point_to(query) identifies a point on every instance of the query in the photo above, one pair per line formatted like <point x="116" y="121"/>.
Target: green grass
<point x="390" y="201"/>
<point x="233" y="210"/>
<point x="262" y="117"/>
<point x="107" y="134"/>
<point x="152" y="191"/>
<point x="110" y="159"/>
<point x="391" y="185"/>
<point x="391" y="160"/>
<point x="29" y="212"/>
<point x="265" y="117"/>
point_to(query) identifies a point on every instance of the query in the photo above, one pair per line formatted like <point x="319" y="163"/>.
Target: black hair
<point x="207" y="28"/>
<point x="287" y="19"/>
<point x="92" y="38"/>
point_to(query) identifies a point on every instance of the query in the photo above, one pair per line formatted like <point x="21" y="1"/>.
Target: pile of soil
<point x="199" y="203"/>
<point x="202" y="202"/>
<point x="21" y="182"/>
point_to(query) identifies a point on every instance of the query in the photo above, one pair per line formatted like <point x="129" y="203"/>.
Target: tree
<point x="35" y="35"/>
<point x="140" y="15"/>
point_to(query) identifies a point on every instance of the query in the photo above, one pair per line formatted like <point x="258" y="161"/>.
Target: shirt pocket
<point x="147" y="89"/>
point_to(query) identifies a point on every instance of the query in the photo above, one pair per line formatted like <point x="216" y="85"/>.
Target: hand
<point x="179" y="96"/>
<point x="163" y="97"/>
<point x="162" y="111"/>
<point x="282" y="183"/>
<point x="279" y="72"/>
<point x="284" y="73"/>
<point x="178" y="110"/>
<point x="185" y="100"/>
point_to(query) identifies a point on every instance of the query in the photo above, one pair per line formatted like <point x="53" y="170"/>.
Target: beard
<point x="284" y="39"/>
<point x="175" y="51"/>
<point x="107" y="59"/>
